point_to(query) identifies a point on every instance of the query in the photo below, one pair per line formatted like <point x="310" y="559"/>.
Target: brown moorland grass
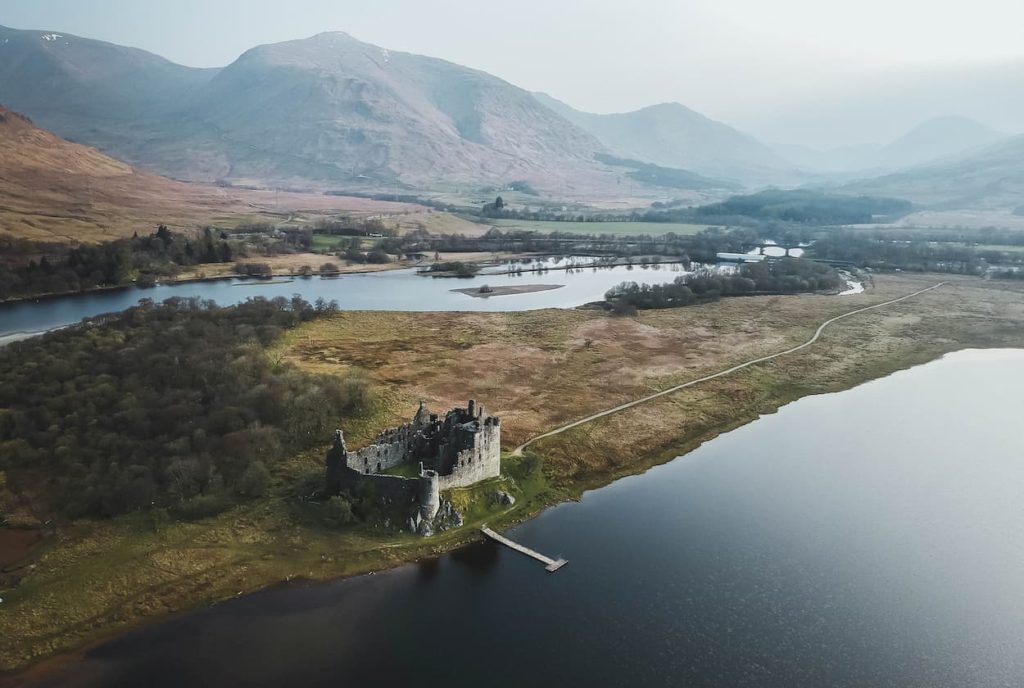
<point x="53" y="190"/>
<point x="542" y="369"/>
<point x="538" y="370"/>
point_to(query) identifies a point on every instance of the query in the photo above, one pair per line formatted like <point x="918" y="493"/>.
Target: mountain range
<point x="328" y="109"/>
<point x="931" y="140"/>
<point x="673" y="135"/>
<point x="331" y="112"/>
<point x="988" y="178"/>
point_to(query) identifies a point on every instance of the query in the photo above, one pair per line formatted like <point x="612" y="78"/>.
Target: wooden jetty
<point x="549" y="564"/>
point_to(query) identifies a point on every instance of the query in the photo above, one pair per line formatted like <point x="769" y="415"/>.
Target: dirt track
<point x="518" y="451"/>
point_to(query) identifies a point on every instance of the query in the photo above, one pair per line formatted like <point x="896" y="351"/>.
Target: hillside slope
<point x="337" y="108"/>
<point x="68" y="84"/>
<point x="326" y="112"/>
<point x="51" y="189"/>
<point x="55" y="190"/>
<point x="673" y="135"/>
<point x="937" y="138"/>
<point x="929" y="141"/>
<point x="990" y="178"/>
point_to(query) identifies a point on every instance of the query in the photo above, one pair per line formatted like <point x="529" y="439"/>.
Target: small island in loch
<point x="486" y="291"/>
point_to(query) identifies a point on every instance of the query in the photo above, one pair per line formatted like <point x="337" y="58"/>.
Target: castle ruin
<point x="457" y="451"/>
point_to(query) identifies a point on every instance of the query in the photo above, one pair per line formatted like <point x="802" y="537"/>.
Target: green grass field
<point x="618" y="228"/>
<point x="327" y="241"/>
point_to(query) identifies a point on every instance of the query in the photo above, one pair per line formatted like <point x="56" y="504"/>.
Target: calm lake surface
<point x="869" y="538"/>
<point x="395" y="290"/>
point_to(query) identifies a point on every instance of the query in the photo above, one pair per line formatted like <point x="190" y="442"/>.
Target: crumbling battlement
<point x="462" y="449"/>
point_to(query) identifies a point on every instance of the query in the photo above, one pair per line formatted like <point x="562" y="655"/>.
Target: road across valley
<point x="518" y="451"/>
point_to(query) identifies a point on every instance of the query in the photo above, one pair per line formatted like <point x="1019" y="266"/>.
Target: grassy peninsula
<point x="94" y="574"/>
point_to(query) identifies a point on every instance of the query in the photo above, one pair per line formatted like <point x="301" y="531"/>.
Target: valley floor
<point x="536" y="370"/>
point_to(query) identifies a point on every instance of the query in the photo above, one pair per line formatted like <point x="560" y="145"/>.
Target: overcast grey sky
<point x="726" y="58"/>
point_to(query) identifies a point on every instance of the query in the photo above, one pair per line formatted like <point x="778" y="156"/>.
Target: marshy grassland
<point x="537" y="370"/>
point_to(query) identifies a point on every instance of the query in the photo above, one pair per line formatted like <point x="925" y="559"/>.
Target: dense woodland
<point x="802" y="206"/>
<point x="884" y="251"/>
<point x="32" y="269"/>
<point x="783" y="276"/>
<point x="176" y="406"/>
<point x="111" y="264"/>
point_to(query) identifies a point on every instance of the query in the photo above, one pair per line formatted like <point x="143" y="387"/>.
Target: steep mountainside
<point x="349" y="110"/>
<point x="328" y="111"/>
<point x="673" y="135"/>
<point x="67" y="82"/>
<point x="51" y="189"/>
<point x="992" y="177"/>
<point x="55" y="190"/>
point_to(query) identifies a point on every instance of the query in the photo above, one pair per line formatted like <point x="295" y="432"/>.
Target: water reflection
<point x="868" y="538"/>
<point x="478" y="558"/>
<point x="396" y="290"/>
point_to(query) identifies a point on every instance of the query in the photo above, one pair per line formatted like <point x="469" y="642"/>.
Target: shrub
<point x="254" y="481"/>
<point x="201" y="506"/>
<point x="337" y="511"/>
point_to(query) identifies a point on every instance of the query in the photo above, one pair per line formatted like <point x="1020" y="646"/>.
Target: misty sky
<point x="743" y="61"/>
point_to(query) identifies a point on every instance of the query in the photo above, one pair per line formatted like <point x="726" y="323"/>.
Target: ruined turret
<point x="422" y="416"/>
<point x="429" y="493"/>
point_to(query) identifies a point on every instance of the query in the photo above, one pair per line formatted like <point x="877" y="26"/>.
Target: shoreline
<point x="293" y="274"/>
<point x="771" y="389"/>
<point x="192" y="279"/>
<point x="409" y="553"/>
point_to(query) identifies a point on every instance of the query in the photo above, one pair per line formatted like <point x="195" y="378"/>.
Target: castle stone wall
<point x="392" y="447"/>
<point x="479" y="462"/>
<point x="459" y="451"/>
<point x="393" y="488"/>
<point x="379" y="457"/>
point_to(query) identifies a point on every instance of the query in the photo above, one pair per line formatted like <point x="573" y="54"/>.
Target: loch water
<point x="390" y="290"/>
<point x="868" y="538"/>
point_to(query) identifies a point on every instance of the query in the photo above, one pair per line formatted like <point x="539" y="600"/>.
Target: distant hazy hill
<point x="672" y="135"/>
<point x="929" y="141"/>
<point x="327" y="109"/>
<point x="881" y="105"/>
<point x="937" y="138"/>
<point x="992" y="177"/>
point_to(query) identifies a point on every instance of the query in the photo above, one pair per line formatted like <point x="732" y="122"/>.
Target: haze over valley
<point x="331" y="112"/>
<point x="470" y="344"/>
